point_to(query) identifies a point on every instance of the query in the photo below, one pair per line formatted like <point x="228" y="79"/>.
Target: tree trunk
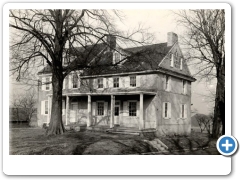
<point x="219" y="109"/>
<point x="56" y="125"/>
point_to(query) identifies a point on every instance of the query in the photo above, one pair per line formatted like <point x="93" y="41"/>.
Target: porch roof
<point x="110" y="93"/>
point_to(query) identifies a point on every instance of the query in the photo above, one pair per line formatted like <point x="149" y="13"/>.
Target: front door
<point x="73" y="112"/>
<point x="116" y="112"/>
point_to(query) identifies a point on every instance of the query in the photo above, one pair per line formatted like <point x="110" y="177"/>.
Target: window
<point x="132" y="81"/>
<point x="75" y="81"/>
<point x="48" y="83"/>
<point x="167" y="83"/>
<point x="100" y="83"/>
<point x="116" y="82"/>
<point x="184" y="87"/>
<point x="46" y="107"/>
<point x="116" y="110"/>
<point x="182" y="114"/>
<point x="100" y="108"/>
<point x="166" y="111"/>
<point x="132" y="108"/>
<point x="183" y="111"/>
<point x="117" y="57"/>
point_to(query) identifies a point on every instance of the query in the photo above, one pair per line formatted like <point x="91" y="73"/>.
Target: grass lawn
<point x="33" y="141"/>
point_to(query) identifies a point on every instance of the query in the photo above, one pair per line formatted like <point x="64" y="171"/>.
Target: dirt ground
<point x="33" y="141"/>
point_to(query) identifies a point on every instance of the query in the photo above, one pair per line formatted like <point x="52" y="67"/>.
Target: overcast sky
<point x="160" y="22"/>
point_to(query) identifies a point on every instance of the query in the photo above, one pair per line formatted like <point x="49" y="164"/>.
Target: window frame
<point x="165" y="110"/>
<point x="130" y="111"/>
<point x="116" y="82"/>
<point x="117" y="104"/>
<point x="98" y="110"/>
<point x="74" y="75"/>
<point x="100" y="82"/>
<point x="47" y="84"/>
<point x="46" y="109"/>
<point x="130" y="83"/>
<point x="183" y="111"/>
<point x="115" y="59"/>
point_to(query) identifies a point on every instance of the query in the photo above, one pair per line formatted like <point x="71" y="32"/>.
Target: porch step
<point x="97" y="128"/>
<point x="123" y="131"/>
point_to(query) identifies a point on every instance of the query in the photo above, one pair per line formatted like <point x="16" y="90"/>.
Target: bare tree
<point x="25" y="105"/>
<point x="40" y="36"/>
<point x="205" y="42"/>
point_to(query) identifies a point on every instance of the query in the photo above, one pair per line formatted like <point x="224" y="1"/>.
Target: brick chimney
<point x="171" y="38"/>
<point x="111" y="41"/>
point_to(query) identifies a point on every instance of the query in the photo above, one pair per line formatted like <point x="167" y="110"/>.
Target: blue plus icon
<point x="227" y="145"/>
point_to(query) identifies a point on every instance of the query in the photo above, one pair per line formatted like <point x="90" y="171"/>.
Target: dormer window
<point x="116" y="58"/>
<point x="75" y="81"/>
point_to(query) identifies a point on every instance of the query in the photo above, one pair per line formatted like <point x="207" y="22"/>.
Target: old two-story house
<point x="148" y="89"/>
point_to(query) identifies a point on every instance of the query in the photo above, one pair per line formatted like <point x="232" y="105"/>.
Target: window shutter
<point x="185" y="111"/>
<point x="172" y="60"/>
<point x="164" y="82"/>
<point x="181" y="63"/>
<point x="137" y="81"/>
<point x="78" y="85"/>
<point x="125" y="108"/>
<point x="127" y="81"/>
<point x="163" y="110"/>
<point x="105" y="108"/>
<point x="169" y="83"/>
<point x="104" y="83"/>
<point x="94" y="108"/>
<point x="42" y="107"/>
<point x="180" y="111"/>
<point x="185" y="87"/>
<point x="64" y="83"/>
<point x="120" y="82"/>
<point x="70" y="81"/>
<point x="169" y="110"/>
<point x="95" y="83"/>
<point x="110" y="82"/>
<point x="138" y="108"/>
<point x="43" y="84"/>
<point x="63" y="107"/>
<point x="50" y="81"/>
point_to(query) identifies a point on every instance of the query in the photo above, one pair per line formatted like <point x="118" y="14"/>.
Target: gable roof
<point x="138" y="59"/>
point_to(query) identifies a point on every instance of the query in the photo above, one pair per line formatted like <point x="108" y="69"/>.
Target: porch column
<point x="89" y="111"/>
<point x="49" y="109"/>
<point x="112" y="111"/>
<point x="67" y="109"/>
<point x="141" y="112"/>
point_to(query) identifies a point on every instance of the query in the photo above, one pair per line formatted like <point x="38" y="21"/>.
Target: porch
<point x="118" y="112"/>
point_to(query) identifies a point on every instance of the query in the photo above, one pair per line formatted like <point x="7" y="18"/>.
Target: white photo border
<point x="111" y="164"/>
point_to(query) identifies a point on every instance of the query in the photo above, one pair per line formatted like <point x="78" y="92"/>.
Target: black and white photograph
<point x="99" y="80"/>
<point x="110" y="82"/>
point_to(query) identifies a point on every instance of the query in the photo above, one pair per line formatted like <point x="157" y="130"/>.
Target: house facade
<point x="152" y="91"/>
